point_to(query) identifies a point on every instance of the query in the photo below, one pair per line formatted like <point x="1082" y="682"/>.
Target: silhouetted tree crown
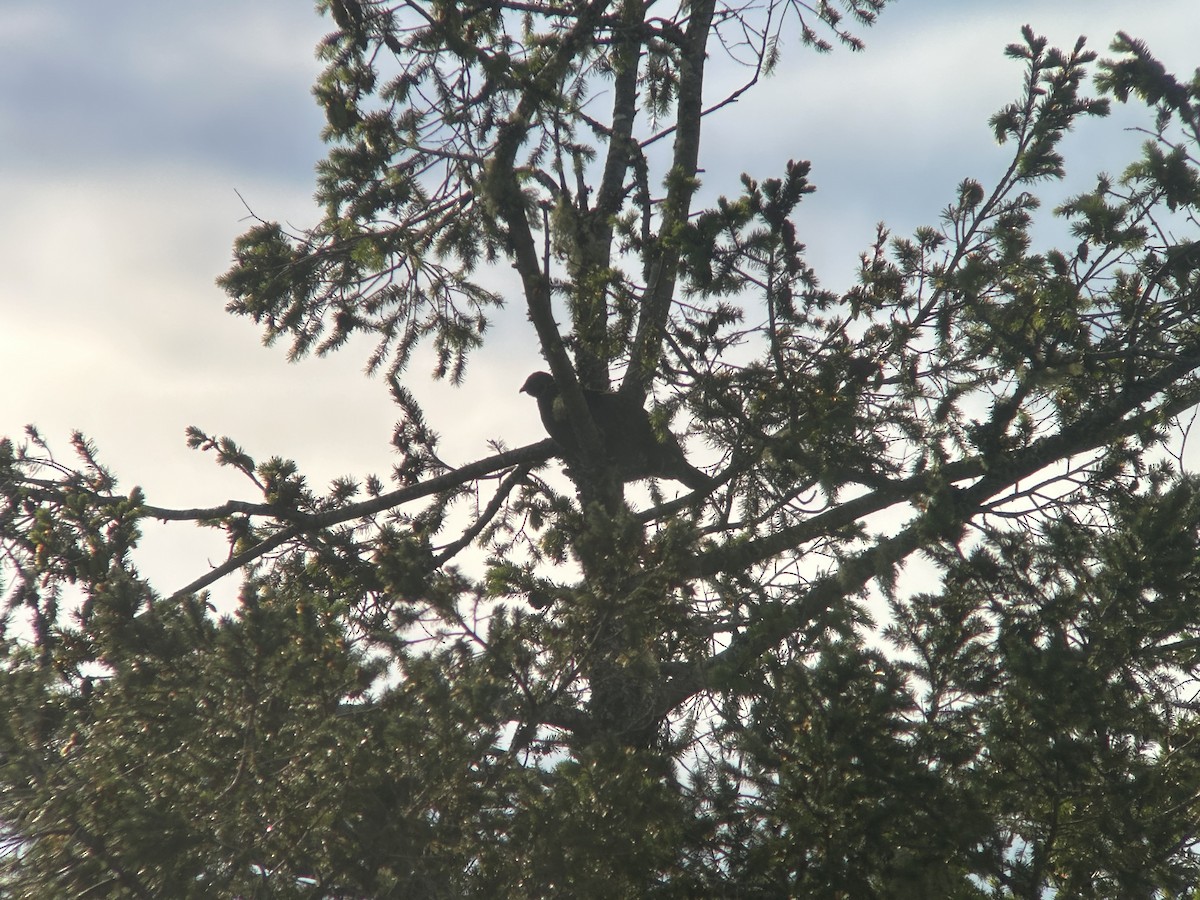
<point x="925" y="624"/>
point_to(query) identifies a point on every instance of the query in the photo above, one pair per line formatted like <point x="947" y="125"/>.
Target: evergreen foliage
<point x="729" y="692"/>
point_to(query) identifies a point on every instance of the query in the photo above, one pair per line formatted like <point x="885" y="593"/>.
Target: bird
<point x="631" y="443"/>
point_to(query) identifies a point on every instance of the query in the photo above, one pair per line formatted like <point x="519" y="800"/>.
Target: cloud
<point x="115" y="84"/>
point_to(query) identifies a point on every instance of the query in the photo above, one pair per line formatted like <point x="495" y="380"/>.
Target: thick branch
<point x="663" y="268"/>
<point x="849" y="579"/>
<point x="594" y="235"/>
<point x="1106" y="425"/>
<point x="522" y="456"/>
<point x="503" y="189"/>
<point x="999" y="470"/>
<point x="543" y="449"/>
<point x="625" y="95"/>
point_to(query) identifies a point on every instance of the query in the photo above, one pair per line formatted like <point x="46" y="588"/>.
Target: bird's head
<point x="539" y="384"/>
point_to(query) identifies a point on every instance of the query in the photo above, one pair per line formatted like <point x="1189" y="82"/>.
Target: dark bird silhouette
<point x="630" y="442"/>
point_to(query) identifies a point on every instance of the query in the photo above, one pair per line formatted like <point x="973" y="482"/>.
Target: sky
<point x="136" y="138"/>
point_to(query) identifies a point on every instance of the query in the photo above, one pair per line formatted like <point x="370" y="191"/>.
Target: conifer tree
<point x="536" y="674"/>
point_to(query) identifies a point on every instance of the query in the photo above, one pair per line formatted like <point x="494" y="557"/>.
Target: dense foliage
<point x="500" y="680"/>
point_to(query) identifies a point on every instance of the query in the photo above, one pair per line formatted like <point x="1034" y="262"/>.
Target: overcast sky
<point x="128" y="130"/>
